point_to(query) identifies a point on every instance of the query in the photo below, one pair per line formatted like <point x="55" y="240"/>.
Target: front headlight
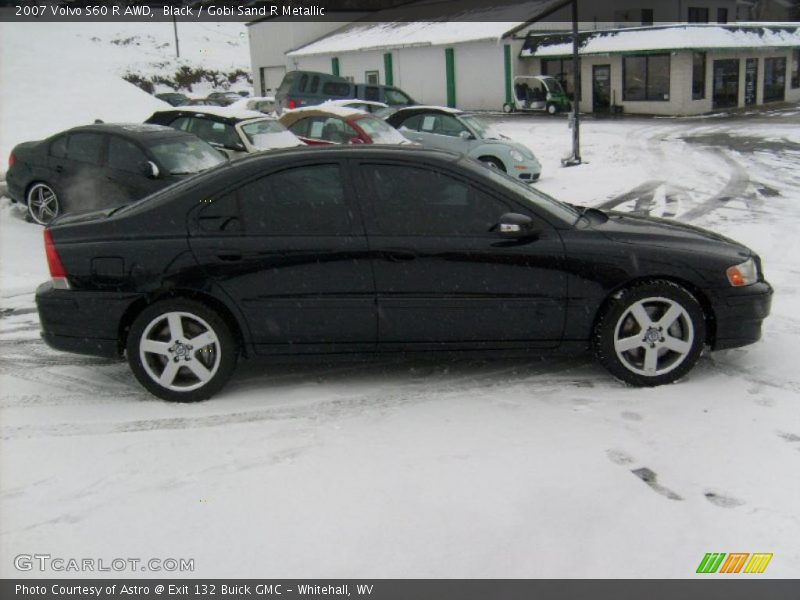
<point x="743" y="274"/>
<point x="516" y="155"/>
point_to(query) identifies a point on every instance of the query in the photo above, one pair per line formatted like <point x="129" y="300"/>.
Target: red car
<point x="321" y="125"/>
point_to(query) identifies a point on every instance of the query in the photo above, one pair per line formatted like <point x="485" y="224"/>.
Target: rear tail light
<point x="291" y="103"/>
<point x="12" y="160"/>
<point x="57" y="271"/>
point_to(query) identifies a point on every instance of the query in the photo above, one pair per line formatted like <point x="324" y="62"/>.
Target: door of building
<point x="726" y="83"/>
<point x="750" y="81"/>
<point x="601" y="88"/>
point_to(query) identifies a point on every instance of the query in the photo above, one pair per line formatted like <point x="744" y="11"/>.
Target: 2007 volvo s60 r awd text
<point x="361" y="250"/>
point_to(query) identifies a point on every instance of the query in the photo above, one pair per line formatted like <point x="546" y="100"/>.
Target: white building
<point x="677" y="69"/>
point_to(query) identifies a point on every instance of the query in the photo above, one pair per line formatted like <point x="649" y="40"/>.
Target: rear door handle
<point x="399" y="255"/>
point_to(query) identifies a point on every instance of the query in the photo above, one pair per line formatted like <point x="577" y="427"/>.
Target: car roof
<point x="372" y="151"/>
<point x="140" y="131"/>
<point x="426" y="108"/>
<point x="228" y="114"/>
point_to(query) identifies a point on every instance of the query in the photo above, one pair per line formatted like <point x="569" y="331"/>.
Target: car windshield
<point x="562" y="211"/>
<point x="256" y="130"/>
<point x="480" y="127"/>
<point x="380" y="132"/>
<point x="393" y="96"/>
<point x="185" y="155"/>
<point x="553" y="85"/>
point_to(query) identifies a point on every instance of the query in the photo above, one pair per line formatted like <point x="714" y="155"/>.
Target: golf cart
<point x="538" y="92"/>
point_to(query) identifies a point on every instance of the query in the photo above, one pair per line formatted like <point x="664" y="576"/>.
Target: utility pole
<point x="575" y="159"/>
<point x="175" y="28"/>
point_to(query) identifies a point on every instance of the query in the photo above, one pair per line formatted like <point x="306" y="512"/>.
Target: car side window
<point x="336" y="88"/>
<point x="215" y="132"/>
<point x="124" y="155"/>
<point x="182" y="123"/>
<point x="58" y="147"/>
<point x="307" y="200"/>
<point x="415" y="201"/>
<point x="372" y="93"/>
<point x="442" y="125"/>
<point x="86" y="147"/>
<point x="413" y="123"/>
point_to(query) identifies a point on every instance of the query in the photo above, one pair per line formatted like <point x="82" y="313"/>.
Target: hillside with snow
<point x="74" y="72"/>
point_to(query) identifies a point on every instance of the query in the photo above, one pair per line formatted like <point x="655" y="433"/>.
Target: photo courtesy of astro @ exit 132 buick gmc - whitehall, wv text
<point x="344" y="251"/>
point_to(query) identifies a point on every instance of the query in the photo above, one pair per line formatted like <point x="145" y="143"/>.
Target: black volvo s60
<point x="360" y="250"/>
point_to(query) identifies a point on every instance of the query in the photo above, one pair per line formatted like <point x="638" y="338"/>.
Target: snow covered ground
<point x="396" y="469"/>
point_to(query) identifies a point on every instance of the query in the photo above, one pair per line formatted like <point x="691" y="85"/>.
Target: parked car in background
<point x="102" y="165"/>
<point x="199" y="102"/>
<point x="309" y="88"/>
<point x="223" y="98"/>
<point x="236" y="132"/>
<point x="268" y="258"/>
<point x="458" y="131"/>
<point x="262" y="104"/>
<point x="173" y="98"/>
<point x="330" y="124"/>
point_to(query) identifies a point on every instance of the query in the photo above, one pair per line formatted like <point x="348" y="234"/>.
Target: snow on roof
<point x="328" y="107"/>
<point x="350" y="102"/>
<point x="465" y="22"/>
<point x="671" y="37"/>
<point x="416" y="107"/>
<point x="229" y="112"/>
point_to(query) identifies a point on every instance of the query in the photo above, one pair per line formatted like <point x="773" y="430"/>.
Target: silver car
<point x="458" y="131"/>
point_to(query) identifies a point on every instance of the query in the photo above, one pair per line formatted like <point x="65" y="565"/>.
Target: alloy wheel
<point x="43" y="204"/>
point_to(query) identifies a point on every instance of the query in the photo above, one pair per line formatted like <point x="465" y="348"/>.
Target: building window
<point x="698" y="15"/>
<point x="371" y="77"/>
<point x="646" y="77"/>
<point x="796" y="68"/>
<point x="698" y="75"/>
<point x="722" y="15"/>
<point x="561" y="70"/>
<point x="647" y="16"/>
<point x="774" y="79"/>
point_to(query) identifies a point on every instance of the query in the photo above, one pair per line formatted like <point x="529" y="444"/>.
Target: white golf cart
<point x="538" y="93"/>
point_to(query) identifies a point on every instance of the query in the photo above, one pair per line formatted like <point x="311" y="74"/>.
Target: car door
<point x="80" y="171"/>
<point x="125" y="171"/>
<point x="442" y="276"/>
<point x="442" y="131"/>
<point x="289" y="248"/>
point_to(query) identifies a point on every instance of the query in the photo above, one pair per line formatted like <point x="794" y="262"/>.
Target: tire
<point x="42" y="202"/>
<point x="552" y="109"/>
<point x="160" y="338"/>
<point x="650" y="334"/>
<point x="493" y="162"/>
<point x="508" y="108"/>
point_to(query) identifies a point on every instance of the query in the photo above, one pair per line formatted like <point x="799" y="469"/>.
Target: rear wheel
<point x="552" y="109"/>
<point x="493" y="162"/>
<point x="508" y="108"/>
<point x="650" y="334"/>
<point x="181" y="350"/>
<point x="43" y="203"/>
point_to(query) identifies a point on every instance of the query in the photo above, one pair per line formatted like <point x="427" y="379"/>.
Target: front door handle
<point x="399" y="255"/>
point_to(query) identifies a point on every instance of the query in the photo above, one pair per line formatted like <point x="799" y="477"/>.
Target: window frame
<point x="647" y="58"/>
<point x="767" y="61"/>
<point x="372" y="72"/>
<point x="794" y="69"/>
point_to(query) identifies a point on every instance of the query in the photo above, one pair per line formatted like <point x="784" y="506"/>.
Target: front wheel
<point x="552" y="109"/>
<point x="650" y="334"/>
<point x="181" y="350"/>
<point x="43" y="203"/>
<point x="492" y="162"/>
<point x="508" y="108"/>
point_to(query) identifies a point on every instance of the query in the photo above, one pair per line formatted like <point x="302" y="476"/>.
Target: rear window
<point x="336" y="88"/>
<point x="380" y="132"/>
<point x="185" y="155"/>
<point x="286" y="84"/>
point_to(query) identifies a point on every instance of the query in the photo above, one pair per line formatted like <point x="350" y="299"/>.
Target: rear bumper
<point x="15" y="189"/>
<point x="82" y="322"/>
<point x="739" y="315"/>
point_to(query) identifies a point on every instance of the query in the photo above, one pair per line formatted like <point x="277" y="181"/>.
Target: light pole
<point x="175" y="28"/>
<point x="575" y="158"/>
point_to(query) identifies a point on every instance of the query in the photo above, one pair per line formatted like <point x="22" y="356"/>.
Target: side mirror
<point x="466" y="135"/>
<point x="516" y="226"/>
<point x="150" y="169"/>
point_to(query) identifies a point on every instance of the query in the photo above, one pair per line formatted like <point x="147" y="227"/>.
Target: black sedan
<point x="102" y="165"/>
<point x="352" y="250"/>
